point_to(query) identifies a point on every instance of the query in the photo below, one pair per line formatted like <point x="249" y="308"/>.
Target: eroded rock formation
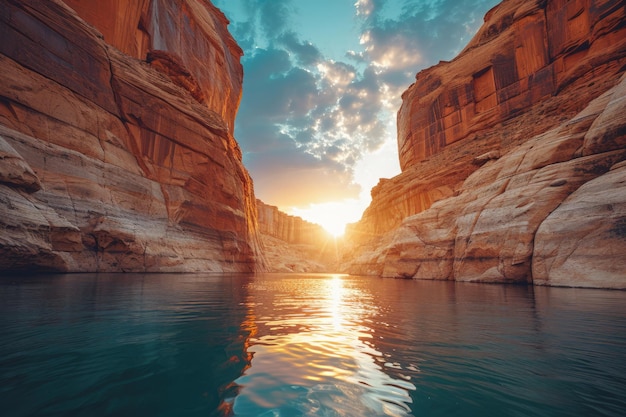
<point x="111" y="163"/>
<point x="193" y="32"/>
<point x="291" y="229"/>
<point x="512" y="156"/>
<point x="292" y="244"/>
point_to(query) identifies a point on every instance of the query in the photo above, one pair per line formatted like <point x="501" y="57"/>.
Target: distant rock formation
<point x="291" y="229"/>
<point x="114" y="163"/>
<point x="291" y="244"/>
<point x="512" y="157"/>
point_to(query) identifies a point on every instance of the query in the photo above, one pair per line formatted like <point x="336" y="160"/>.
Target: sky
<point x="322" y="85"/>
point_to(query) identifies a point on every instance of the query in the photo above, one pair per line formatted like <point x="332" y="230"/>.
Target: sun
<point x="332" y="216"/>
<point x="334" y="226"/>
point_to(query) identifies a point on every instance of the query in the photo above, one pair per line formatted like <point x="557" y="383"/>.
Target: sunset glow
<point x="316" y="122"/>
<point x="323" y="342"/>
<point x="332" y="216"/>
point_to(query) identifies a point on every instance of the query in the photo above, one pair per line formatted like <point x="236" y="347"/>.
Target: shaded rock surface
<point x="511" y="156"/>
<point x="110" y="163"/>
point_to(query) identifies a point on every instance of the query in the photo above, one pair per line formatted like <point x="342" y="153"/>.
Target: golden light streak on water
<point x="315" y="351"/>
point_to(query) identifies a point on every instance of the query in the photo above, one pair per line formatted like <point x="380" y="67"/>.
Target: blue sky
<point x="322" y="85"/>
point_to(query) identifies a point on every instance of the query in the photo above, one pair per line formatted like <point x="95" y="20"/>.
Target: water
<point x="306" y="345"/>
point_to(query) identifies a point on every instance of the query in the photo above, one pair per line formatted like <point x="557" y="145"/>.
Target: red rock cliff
<point x="111" y="163"/>
<point x="193" y="32"/>
<point x="505" y="150"/>
<point x="292" y="244"/>
<point x="291" y="229"/>
<point x="527" y="51"/>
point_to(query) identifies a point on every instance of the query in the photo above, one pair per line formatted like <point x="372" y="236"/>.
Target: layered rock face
<point x="186" y="39"/>
<point x="291" y="229"/>
<point x="111" y="163"/>
<point x="512" y="156"/>
<point x="292" y="244"/>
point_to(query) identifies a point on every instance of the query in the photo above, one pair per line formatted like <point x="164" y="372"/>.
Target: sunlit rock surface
<point x="192" y="32"/>
<point x="512" y="157"/>
<point x="291" y="244"/>
<point x="111" y="163"/>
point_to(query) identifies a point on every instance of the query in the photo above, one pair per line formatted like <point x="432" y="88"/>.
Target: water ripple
<point x="310" y="353"/>
<point x="307" y="345"/>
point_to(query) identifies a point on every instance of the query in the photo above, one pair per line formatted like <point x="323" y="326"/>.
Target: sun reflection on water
<point x="312" y="352"/>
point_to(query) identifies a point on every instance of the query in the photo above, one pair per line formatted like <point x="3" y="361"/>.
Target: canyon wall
<point x="291" y="229"/>
<point x="116" y="139"/>
<point x="186" y="39"/>
<point x="512" y="156"/>
<point x="292" y="244"/>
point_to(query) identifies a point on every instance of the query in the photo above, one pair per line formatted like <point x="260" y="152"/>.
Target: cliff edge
<point x="116" y="141"/>
<point x="512" y="157"/>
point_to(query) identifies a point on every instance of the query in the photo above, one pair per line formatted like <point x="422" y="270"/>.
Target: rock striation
<point x="292" y="244"/>
<point x="512" y="156"/>
<point x="291" y="229"/>
<point x="114" y="163"/>
<point x="187" y="40"/>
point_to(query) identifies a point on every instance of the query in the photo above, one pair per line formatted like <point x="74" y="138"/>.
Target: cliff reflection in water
<point x="306" y="345"/>
<point x="121" y="344"/>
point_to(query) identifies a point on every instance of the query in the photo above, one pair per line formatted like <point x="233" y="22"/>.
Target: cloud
<point x="416" y="36"/>
<point x="294" y="178"/>
<point x="305" y="120"/>
<point x="435" y="30"/>
<point x="273" y="16"/>
<point x="275" y="91"/>
<point x="318" y="120"/>
<point x="364" y="7"/>
<point x="306" y="53"/>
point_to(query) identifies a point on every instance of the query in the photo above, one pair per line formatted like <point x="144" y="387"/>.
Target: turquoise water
<point x="306" y="345"/>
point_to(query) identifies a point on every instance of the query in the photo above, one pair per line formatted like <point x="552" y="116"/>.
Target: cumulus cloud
<point x="364" y="7"/>
<point x="305" y="53"/>
<point x="306" y="120"/>
<point x="416" y="36"/>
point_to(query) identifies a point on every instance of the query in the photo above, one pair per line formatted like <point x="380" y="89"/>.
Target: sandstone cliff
<point x="292" y="244"/>
<point x="113" y="163"/>
<point x="511" y="156"/>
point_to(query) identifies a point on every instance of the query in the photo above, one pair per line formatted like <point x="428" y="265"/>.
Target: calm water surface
<point x="306" y="345"/>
